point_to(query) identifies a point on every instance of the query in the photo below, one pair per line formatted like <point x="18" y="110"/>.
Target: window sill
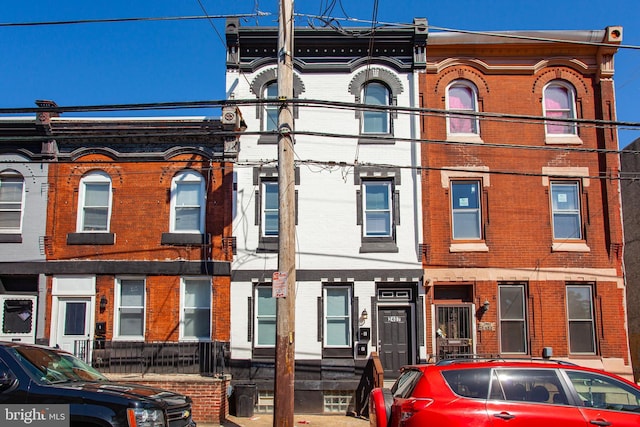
<point x="379" y="139"/>
<point x="469" y="247"/>
<point x="563" y="139"/>
<point x="337" y="353"/>
<point x="268" y="139"/>
<point x="264" y="352"/>
<point x="570" y="247"/>
<point x="183" y="239"/>
<point x="472" y="138"/>
<point x="268" y="245"/>
<point x="91" y="239"/>
<point x="11" y="238"/>
<point x="378" y="247"/>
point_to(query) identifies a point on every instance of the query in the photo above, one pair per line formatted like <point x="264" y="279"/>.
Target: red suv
<point x="499" y="393"/>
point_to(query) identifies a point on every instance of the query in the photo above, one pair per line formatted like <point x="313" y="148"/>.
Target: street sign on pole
<point x="279" y="284"/>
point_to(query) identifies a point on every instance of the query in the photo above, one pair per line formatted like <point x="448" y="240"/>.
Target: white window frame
<point x="267" y="291"/>
<point x="346" y="317"/>
<point x="119" y="307"/>
<point x="590" y="321"/>
<point x="573" y="212"/>
<point x="474" y="109"/>
<point x="264" y="210"/>
<point x="202" y="305"/>
<point x="267" y="124"/>
<point x="188" y="177"/>
<point x="94" y="178"/>
<point x="387" y="212"/>
<point x="462" y="210"/>
<point x="10" y="176"/>
<point x="373" y="114"/>
<point x="571" y="136"/>
<point x="522" y="320"/>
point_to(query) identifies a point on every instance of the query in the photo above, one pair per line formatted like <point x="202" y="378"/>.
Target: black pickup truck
<point x="35" y="378"/>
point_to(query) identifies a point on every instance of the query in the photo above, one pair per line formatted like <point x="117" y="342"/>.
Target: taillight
<point x="410" y="407"/>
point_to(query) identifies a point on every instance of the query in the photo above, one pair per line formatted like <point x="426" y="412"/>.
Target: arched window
<point x="94" y="202"/>
<point x="462" y="96"/>
<point x="11" y="201"/>
<point x="376" y="121"/>
<point x="559" y="103"/>
<point x="187" y="203"/>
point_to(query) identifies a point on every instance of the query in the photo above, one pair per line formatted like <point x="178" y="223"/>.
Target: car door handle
<point x="504" y="415"/>
<point x="600" y="422"/>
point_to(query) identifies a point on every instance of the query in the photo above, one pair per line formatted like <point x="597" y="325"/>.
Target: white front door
<point x="74" y="317"/>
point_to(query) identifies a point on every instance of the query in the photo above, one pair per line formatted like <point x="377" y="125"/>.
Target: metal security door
<point x="395" y="344"/>
<point x="453" y="331"/>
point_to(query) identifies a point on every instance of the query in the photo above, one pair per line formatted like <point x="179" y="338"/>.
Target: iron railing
<point x="208" y="358"/>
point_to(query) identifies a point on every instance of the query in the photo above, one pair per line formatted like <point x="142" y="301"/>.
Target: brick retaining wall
<point x="209" y="395"/>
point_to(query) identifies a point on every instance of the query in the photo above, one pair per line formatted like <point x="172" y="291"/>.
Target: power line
<point x="523" y="118"/>
<point x="328" y="20"/>
<point x="133" y="19"/>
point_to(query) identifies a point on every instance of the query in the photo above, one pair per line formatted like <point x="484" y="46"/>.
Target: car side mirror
<point x="6" y="380"/>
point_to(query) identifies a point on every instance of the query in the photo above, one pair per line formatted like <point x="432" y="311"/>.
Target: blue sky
<point x="173" y="61"/>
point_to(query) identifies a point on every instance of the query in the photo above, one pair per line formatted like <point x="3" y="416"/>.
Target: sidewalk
<point x="300" y="420"/>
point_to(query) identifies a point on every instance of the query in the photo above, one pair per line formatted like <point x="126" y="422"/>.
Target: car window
<point x="528" y="385"/>
<point x="55" y="366"/>
<point x="6" y="376"/>
<point x="472" y="383"/>
<point x="600" y="391"/>
<point x="406" y="383"/>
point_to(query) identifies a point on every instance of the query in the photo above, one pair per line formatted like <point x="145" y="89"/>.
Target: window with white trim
<point x="512" y="314"/>
<point x="270" y="116"/>
<point x="94" y="202"/>
<point x="11" y="202"/>
<point x="195" y="309"/>
<point x="187" y="203"/>
<point x="565" y="207"/>
<point x="270" y="205"/>
<point x="581" y="319"/>
<point x="337" y="317"/>
<point x="462" y="97"/>
<point x="265" y="335"/>
<point x="130" y="300"/>
<point x="465" y="210"/>
<point x="376" y="121"/>
<point x="559" y="103"/>
<point x="377" y="208"/>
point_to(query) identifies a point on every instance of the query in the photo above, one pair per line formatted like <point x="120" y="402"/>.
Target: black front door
<point x="395" y="339"/>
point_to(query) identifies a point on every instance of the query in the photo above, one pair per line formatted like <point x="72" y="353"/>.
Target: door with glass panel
<point x="74" y="318"/>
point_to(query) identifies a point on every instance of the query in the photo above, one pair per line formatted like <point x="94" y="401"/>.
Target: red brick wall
<point x="516" y="204"/>
<point x="140" y="209"/>
<point x="140" y="214"/>
<point x="209" y="396"/>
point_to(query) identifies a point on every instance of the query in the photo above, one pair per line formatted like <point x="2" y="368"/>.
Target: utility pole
<point x="285" y="303"/>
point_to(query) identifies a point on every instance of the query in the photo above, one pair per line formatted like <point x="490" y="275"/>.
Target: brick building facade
<point x="522" y="227"/>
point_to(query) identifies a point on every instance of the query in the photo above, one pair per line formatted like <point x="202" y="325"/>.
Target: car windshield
<point x="52" y="366"/>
